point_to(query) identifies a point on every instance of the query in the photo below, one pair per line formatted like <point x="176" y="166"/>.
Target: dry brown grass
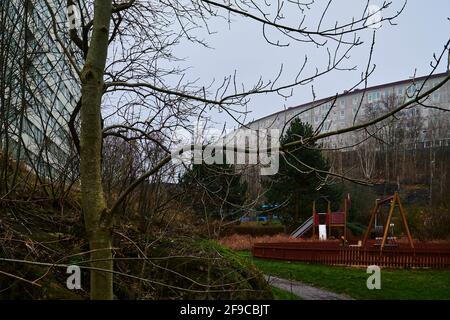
<point x="245" y="242"/>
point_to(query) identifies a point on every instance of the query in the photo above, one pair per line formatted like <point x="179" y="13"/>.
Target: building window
<point x="435" y="97"/>
<point x="342" y="114"/>
<point x="411" y="90"/>
<point x="374" y="96"/>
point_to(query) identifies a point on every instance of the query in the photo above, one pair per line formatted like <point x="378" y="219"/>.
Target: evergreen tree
<point x="216" y="188"/>
<point x="295" y="183"/>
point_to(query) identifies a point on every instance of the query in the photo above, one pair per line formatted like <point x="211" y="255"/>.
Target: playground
<point x="382" y="244"/>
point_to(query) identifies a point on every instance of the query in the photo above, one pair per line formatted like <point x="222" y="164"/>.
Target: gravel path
<point x="304" y="291"/>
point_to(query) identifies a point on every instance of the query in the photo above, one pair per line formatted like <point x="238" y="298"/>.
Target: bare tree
<point x="127" y="90"/>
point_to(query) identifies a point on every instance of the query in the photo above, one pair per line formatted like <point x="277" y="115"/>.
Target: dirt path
<point x="304" y="291"/>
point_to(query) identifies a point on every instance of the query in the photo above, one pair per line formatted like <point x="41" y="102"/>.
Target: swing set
<point x="387" y="227"/>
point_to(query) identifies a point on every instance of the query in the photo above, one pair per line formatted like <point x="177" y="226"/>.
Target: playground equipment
<point x="324" y="222"/>
<point x="401" y="255"/>
<point x="303" y="228"/>
<point x="387" y="227"/>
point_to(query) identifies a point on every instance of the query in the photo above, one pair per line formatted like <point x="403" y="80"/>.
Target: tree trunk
<point x="93" y="204"/>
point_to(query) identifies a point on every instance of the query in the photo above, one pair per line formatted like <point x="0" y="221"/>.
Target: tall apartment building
<point x="38" y="88"/>
<point x="428" y="124"/>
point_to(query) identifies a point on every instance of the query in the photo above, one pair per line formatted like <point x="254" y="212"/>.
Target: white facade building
<point x="40" y="90"/>
<point x="347" y="109"/>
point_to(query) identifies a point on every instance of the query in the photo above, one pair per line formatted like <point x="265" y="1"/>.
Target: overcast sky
<point x="422" y="29"/>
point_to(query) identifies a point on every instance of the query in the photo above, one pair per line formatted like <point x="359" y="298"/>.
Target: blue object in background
<point x="246" y="219"/>
<point x="262" y="217"/>
<point x="269" y="206"/>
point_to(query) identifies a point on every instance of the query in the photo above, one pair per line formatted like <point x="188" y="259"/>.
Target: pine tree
<point x="295" y="183"/>
<point x="216" y="188"/>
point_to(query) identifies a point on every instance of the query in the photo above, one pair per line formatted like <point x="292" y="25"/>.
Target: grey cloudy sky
<point x="422" y="29"/>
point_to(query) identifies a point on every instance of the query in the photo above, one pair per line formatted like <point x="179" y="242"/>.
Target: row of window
<point x="33" y="131"/>
<point x="400" y="91"/>
<point x="333" y="116"/>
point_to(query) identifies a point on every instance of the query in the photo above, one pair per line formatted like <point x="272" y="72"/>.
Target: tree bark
<point x="92" y="201"/>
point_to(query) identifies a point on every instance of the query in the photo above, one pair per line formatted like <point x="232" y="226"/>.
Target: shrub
<point x="185" y="268"/>
<point x="245" y="242"/>
<point x="258" y="230"/>
<point x="429" y="224"/>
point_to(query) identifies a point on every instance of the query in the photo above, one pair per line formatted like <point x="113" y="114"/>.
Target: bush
<point x="177" y="267"/>
<point x="197" y="269"/>
<point x="429" y="224"/>
<point x="245" y="242"/>
<point x="258" y="230"/>
<point x="357" y="229"/>
<point x="362" y="202"/>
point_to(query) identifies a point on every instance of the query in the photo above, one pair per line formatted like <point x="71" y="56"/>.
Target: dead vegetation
<point x="168" y="261"/>
<point x="245" y="242"/>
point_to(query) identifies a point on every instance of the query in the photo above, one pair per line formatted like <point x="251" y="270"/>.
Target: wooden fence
<point x="422" y="256"/>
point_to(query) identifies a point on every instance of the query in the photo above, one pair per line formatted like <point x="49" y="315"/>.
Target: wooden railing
<point x="332" y="253"/>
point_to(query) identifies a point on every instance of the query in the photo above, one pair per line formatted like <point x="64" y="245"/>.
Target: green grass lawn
<point x="395" y="283"/>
